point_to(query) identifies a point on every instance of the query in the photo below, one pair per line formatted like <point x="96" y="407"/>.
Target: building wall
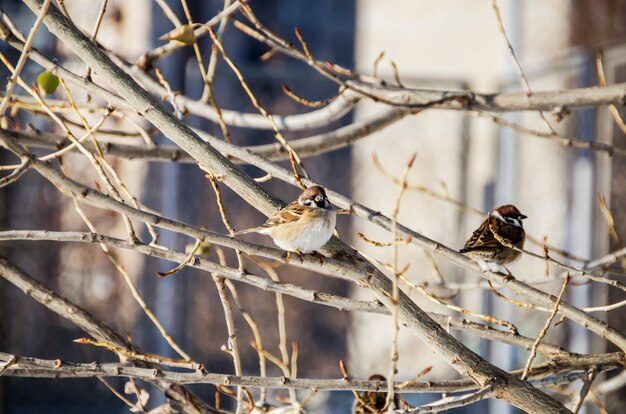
<point x="458" y="43"/>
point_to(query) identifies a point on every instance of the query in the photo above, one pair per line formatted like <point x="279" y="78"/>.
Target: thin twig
<point x="544" y="331"/>
<point x="580" y="400"/>
<point x="449" y="403"/>
<point x="277" y="134"/>
<point x="170" y="95"/>
<point x="16" y="174"/>
<point x="393" y="367"/>
<point x="281" y="320"/>
<point x="96" y="28"/>
<point x="135" y="407"/>
<point x="185" y="262"/>
<point x="158" y="359"/>
<point x="516" y="62"/>
<point x="224" y="216"/>
<point x="569" y="142"/>
<point x="610" y="223"/>
<point x="211" y="70"/>
<point x="254" y="327"/>
<point x="33" y="367"/>
<point x="602" y="82"/>
<point x="231" y="348"/>
<point x="303" y="101"/>
<point x="23" y="57"/>
<point x="169" y="13"/>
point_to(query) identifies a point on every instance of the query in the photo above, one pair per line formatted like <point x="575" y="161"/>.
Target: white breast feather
<point x="318" y="231"/>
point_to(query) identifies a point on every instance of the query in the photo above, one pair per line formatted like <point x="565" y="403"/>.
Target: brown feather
<point x="482" y="237"/>
<point x="484" y="245"/>
<point x="290" y="214"/>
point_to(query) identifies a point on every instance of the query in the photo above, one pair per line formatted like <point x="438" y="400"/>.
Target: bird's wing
<point x="290" y="214"/>
<point x="481" y="238"/>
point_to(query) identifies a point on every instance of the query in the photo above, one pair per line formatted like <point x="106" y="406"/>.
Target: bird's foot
<point x="287" y="257"/>
<point x="493" y="267"/>
<point x="319" y="256"/>
<point x="300" y="255"/>
<point x="509" y="275"/>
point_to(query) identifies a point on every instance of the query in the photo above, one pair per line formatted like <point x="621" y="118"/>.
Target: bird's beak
<point x="522" y="217"/>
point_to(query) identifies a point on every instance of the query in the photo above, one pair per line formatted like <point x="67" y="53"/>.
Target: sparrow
<point x="503" y="225"/>
<point x="373" y="402"/>
<point x="305" y="225"/>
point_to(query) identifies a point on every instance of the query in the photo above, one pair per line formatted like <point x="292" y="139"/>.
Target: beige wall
<point x="452" y="41"/>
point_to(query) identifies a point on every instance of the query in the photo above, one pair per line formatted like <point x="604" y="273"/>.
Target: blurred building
<point x="187" y="304"/>
<point x="457" y="45"/>
<point x="449" y="44"/>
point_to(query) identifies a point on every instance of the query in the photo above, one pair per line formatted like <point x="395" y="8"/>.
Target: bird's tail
<point x="252" y="230"/>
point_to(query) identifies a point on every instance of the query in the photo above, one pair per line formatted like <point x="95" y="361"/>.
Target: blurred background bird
<point x="374" y="402"/>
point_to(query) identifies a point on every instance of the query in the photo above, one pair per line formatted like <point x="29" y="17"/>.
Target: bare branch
<point x="306" y="147"/>
<point x="544" y="331"/>
<point x="495" y="102"/>
<point x="149" y="57"/>
<point x="88" y="323"/>
<point x="422" y="98"/>
<point x="359" y="270"/>
<point x="452" y="402"/>
<point x="16" y="174"/>
<point x="33" y="367"/>
<point x="605" y="261"/>
<point x="23" y="57"/>
<point x="591" y="376"/>
<point x="345" y="261"/>
<point x="554" y="137"/>
<point x="89" y="195"/>
<point x="321" y="298"/>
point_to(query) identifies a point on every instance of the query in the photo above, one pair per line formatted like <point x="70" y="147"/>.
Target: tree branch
<point x="514" y="391"/>
<point x="97" y="329"/>
<point x="321" y="298"/>
<point x="147" y="59"/>
<point x="33" y="367"/>
<point x="357" y="269"/>
<point x="331" y="267"/>
<point x="422" y="98"/>
<point x="306" y="147"/>
<point x="494" y="102"/>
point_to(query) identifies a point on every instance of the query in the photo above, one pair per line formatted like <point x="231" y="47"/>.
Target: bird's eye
<point x="319" y="198"/>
